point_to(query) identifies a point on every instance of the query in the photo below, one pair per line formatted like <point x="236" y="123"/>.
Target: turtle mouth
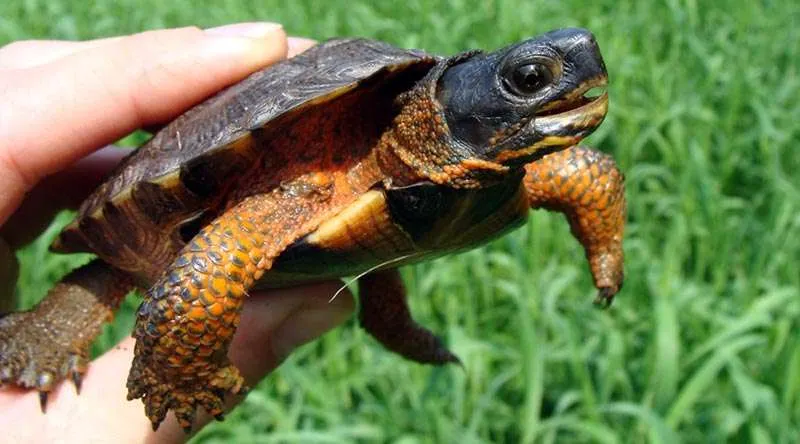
<point x="576" y="114"/>
<point x="564" y="122"/>
<point x="585" y="94"/>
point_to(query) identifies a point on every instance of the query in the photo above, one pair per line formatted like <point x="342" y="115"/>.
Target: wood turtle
<point x="352" y="158"/>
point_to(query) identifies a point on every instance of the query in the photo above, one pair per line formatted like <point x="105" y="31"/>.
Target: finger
<point x="57" y="113"/>
<point x="295" y="45"/>
<point x="30" y="53"/>
<point x="65" y="189"/>
<point x="68" y="188"/>
<point x="75" y="182"/>
<point x="272" y="324"/>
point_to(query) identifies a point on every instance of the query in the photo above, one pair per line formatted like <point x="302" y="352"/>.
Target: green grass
<point x="702" y="344"/>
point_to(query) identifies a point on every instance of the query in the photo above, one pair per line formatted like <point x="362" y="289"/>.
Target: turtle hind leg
<point x="384" y="314"/>
<point x="41" y="347"/>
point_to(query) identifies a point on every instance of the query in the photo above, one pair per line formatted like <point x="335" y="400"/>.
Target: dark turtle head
<point x="518" y="103"/>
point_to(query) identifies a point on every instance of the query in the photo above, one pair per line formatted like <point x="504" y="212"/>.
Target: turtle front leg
<point x="41" y="347"/>
<point x="588" y="188"/>
<point x="188" y="318"/>
<point x="384" y="314"/>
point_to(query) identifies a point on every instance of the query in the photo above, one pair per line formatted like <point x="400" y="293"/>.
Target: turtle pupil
<point x="530" y="78"/>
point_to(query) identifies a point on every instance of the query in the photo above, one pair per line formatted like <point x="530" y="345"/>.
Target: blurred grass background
<point x="702" y="345"/>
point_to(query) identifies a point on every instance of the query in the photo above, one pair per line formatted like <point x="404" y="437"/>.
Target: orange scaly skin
<point x="588" y="188"/>
<point x="184" y="328"/>
<point x="193" y="311"/>
<point x="417" y="147"/>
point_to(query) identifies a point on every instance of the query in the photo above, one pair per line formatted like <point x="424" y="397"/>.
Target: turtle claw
<point x="159" y="394"/>
<point x="77" y="380"/>
<point x="185" y="416"/>
<point x="43" y="401"/>
<point x="29" y="358"/>
<point x="605" y="296"/>
<point x="155" y="408"/>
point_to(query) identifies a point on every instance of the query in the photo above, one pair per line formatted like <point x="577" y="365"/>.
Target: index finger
<point x="53" y="114"/>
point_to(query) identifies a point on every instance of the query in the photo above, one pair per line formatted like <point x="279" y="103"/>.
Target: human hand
<point x="60" y="102"/>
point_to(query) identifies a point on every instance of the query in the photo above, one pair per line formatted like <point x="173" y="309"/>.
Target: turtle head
<point x="521" y="102"/>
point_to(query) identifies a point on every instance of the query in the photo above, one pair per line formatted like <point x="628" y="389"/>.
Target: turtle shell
<point x="326" y="105"/>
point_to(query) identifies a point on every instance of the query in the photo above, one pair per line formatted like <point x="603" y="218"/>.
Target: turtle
<point x="353" y="158"/>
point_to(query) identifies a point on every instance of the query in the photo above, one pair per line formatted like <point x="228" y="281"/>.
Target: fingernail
<point x="253" y="30"/>
<point x="299" y="44"/>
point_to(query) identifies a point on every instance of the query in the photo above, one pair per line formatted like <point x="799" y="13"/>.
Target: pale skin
<point x="60" y="102"/>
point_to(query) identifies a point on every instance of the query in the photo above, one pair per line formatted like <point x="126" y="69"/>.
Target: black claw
<point x="443" y="356"/>
<point x="134" y="392"/>
<point x="604" y="297"/>
<point x="77" y="380"/>
<point x="186" y="418"/>
<point x="219" y="416"/>
<point x="43" y="401"/>
<point x="453" y="359"/>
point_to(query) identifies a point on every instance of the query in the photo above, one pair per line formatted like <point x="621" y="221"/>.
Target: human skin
<point x="60" y="104"/>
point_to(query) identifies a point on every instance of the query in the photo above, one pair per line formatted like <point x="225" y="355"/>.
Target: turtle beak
<point x="575" y="116"/>
<point x="564" y="128"/>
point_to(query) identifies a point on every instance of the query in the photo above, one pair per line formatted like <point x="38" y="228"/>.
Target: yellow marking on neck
<point x="548" y="141"/>
<point x="480" y="164"/>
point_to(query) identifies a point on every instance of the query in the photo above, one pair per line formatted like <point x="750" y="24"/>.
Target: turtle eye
<point x="528" y="79"/>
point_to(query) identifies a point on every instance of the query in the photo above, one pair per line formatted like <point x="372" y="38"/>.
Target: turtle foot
<point x="183" y="393"/>
<point x="421" y="345"/>
<point x="30" y="357"/>
<point x="385" y="315"/>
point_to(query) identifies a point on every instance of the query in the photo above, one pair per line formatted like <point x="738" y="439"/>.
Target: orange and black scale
<point x="418" y="146"/>
<point x="588" y="187"/>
